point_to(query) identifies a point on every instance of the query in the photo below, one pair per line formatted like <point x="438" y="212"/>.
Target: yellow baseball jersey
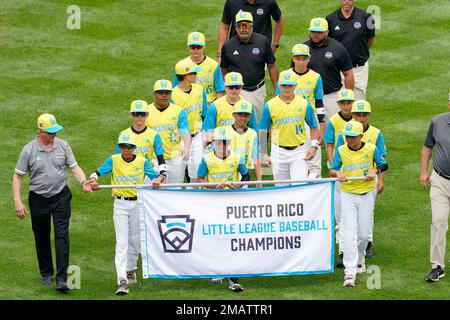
<point x="334" y="128"/>
<point x="371" y="135"/>
<point x="357" y="164"/>
<point x="171" y="124"/>
<point x="194" y="105"/>
<point x="306" y="86"/>
<point x="222" y="170"/>
<point x="126" y="173"/>
<point x="245" y="144"/>
<point x="148" y="143"/>
<point x="287" y="120"/>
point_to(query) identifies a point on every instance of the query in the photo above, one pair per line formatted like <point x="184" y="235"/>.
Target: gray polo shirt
<point x="439" y="136"/>
<point x="47" y="168"/>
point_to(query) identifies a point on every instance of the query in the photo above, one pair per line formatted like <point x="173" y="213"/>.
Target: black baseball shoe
<point x="369" y="250"/>
<point x="47" y="280"/>
<point x="62" y="286"/>
<point x="234" y="285"/>
<point x="340" y="261"/>
<point x="436" y="274"/>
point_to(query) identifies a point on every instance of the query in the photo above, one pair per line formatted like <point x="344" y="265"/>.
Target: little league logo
<point x="344" y="93"/>
<point x="287" y="76"/>
<point x="163" y="84"/>
<point x="357" y="25"/>
<point x="221" y="131"/>
<point x="360" y="106"/>
<point x="53" y="121"/>
<point x="260" y="11"/>
<point x="233" y="77"/>
<point x="177" y="233"/>
<point x="329" y="55"/>
<point x="244" y="105"/>
<point x="317" y="23"/>
<point x="255" y="51"/>
<point x="348" y="127"/>
<point x="125" y="137"/>
<point x="195" y="36"/>
<point x="138" y="105"/>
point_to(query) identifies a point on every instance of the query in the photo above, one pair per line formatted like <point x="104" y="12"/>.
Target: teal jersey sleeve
<point x="211" y="116"/>
<point x="381" y="145"/>
<point x="329" y="133"/>
<point x="337" y="161"/>
<point x="175" y="79"/>
<point x="106" y="167"/>
<point x="277" y="90"/>
<point x="183" y="125"/>
<point x="117" y="146"/>
<point x="310" y="118"/>
<point x="266" y="118"/>
<point x="242" y="168"/>
<point x="148" y="170"/>
<point x="255" y="151"/>
<point x="158" y="147"/>
<point x="204" y="104"/>
<point x="202" y="169"/>
<point x="218" y="80"/>
<point x="318" y="90"/>
<point x="340" y="140"/>
<point x="252" y="122"/>
<point x="378" y="158"/>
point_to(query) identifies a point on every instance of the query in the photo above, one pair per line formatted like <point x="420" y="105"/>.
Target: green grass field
<point x="88" y="77"/>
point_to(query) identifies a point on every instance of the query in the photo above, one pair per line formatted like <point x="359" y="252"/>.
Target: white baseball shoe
<point x="217" y="280"/>
<point x="349" y="280"/>
<point x="361" y="268"/>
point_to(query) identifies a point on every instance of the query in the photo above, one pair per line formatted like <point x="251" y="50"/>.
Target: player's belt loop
<point x="193" y="135"/>
<point x="126" y="198"/>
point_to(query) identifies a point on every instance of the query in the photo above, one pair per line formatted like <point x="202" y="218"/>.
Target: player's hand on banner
<point x="221" y="185"/>
<point x="233" y="185"/>
<point x="371" y="175"/>
<point x="267" y="159"/>
<point x="94" y="184"/>
<point x="380" y="187"/>
<point x="311" y="153"/>
<point x="156" y="184"/>
<point x="425" y="179"/>
<point x="20" y="209"/>
<point x="86" y="186"/>
<point x="341" y="177"/>
<point x="259" y="185"/>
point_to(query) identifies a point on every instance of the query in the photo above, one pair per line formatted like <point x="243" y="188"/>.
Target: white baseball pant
<point x="315" y="164"/>
<point x="357" y="217"/>
<point x="128" y="237"/>
<point x="195" y="157"/>
<point x="289" y="164"/>
<point x="330" y="105"/>
<point x="175" y="170"/>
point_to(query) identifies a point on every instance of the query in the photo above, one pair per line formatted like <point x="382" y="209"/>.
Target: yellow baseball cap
<point x="300" y="50"/>
<point x="287" y="78"/>
<point x="244" y="16"/>
<point x="318" y="25"/>
<point x="361" y="106"/>
<point x="346" y="95"/>
<point x="242" y="106"/>
<point x="220" y="133"/>
<point x="139" y="106"/>
<point x="47" y="122"/>
<point x="186" y="66"/>
<point x="162" y="85"/>
<point x="352" y="129"/>
<point x="126" y="139"/>
<point x="233" y="79"/>
<point x="196" y="38"/>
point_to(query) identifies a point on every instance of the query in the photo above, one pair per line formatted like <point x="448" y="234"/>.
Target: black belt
<point x="359" y="64"/>
<point x="290" y="148"/>
<point x="193" y="135"/>
<point x="253" y="88"/>
<point x="441" y="174"/>
<point x="126" y="198"/>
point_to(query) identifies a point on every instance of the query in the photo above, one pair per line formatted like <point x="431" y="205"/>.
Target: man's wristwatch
<point x="276" y="45"/>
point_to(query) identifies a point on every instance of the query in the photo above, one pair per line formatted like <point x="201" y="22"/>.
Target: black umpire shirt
<point x="248" y="58"/>
<point x="329" y="60"/>
<point x="353" y="33"/>
<point x="261" y="11"/>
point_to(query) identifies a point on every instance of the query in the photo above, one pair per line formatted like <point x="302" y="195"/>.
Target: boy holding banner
<point x="223" y="167"/>
<point x="129" y="169"/>
<point x="356" y="158"/>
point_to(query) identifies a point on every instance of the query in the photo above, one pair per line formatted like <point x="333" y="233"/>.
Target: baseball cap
<point x="126" y="139"/>
<point x="47" y="122"/>
<point x="242" y="106"/>
<point x="345" y="95"/>
<point x="139" y="106"/>
<point x="162" y="85"/>
<point x="196" y="38"/>
<point x="233" y="79"/>
<point x="318" y="25"/>
<point x="244" y="16"/>
<point x="220" y="133"/>
<point x="300" y="50"/>
<point x="186" y="66"/>
<point x="286" y="78"/>
<point x="352" y="129"/>
<point x="361" y="106"/>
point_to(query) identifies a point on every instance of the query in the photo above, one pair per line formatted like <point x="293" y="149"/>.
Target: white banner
<point x="274" y="231"/>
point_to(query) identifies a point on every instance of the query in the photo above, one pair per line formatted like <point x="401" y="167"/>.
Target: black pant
<point x="42" y="209"/>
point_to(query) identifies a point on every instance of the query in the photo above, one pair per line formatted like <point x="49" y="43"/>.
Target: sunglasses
<point x="195" y="47"/>
<point x="139" y="114"/>
<point x="234" y="87"/>
<point x="244" y="25"/>
<point x="126" y="146"/>
<point x="162" y="92"/>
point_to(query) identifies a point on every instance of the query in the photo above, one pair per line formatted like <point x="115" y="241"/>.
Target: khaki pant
<point x="440" y="207"/>
<point x="330" y="105"/>
<point x="361" y="79"/>
<point x="257" y="98"/>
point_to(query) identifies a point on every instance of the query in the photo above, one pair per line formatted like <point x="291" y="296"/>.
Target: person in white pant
<point x="356" y="158"/>
<point x="126" y="168"/>
<point x="286" y="115"/>
<point x="171" y="122"/>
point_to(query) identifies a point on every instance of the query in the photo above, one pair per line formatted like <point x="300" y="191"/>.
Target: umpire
<point x="46" y="159"/>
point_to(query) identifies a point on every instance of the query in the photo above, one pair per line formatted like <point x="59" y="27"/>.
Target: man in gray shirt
<point x="46" y="159"/>
<point x="438" y="136"/>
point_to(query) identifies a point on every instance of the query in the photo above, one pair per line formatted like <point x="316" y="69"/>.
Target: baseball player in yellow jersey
<point x="126" y="168"/>
<point x="148" y="141"/>
<point x="170" y="121"/>
<point x="220" y="113"/>
<point x="192" y="98"/>
<point x="361" y="111"/>
<point x="244" y="140"/>
<point x="345" y="99"/>
<point x="223" y="166"/>
<point x="356" y="159"/>
<point x="210" y="75"/>
<point x="286" y="115"/>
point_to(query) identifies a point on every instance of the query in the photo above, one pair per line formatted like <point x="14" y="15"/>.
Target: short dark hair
<point x="181" y="77"/>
